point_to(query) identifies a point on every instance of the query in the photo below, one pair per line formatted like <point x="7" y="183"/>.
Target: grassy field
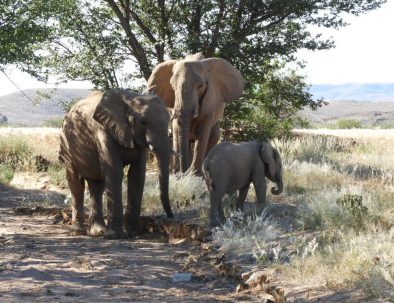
<point x="332" y="228"/>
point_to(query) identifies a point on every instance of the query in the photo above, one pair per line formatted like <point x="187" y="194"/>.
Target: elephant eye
<point x="143" y="122"/>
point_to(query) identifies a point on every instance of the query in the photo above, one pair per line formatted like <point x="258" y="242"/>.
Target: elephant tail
<point x="207" y="176"/>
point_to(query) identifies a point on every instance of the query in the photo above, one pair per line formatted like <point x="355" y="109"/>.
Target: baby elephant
<point x="232" y="166"/>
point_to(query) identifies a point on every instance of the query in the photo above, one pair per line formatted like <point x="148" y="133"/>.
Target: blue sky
<point x="364" y="53"/>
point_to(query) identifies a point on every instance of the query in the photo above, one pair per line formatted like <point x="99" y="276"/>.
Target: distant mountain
<point x="377" y="113"/>
<point x="354" y="91"/>
<point x="21" y="111"/>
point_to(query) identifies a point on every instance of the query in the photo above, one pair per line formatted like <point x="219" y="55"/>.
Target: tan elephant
<point x="197" y="90"/>
<point x="101" y="134"/>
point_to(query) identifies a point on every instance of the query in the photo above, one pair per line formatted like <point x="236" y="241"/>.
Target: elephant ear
<point x="111" y="112"/>
<point x="159" y="82"/>
<point x="268" y="156"/>
<point x="225" y="84"/>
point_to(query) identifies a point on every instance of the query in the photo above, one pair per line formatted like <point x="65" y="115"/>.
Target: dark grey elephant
<point x="233" y="166"/>
<point x="101" y="134"/>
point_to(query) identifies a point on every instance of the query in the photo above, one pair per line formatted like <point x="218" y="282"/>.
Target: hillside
<point x="372" y="104"/>
<point x="20" y="111"/>
<point x="369" y="113"/>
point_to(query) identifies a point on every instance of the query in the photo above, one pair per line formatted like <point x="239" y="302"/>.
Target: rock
<point x="241" y="287"/>
<point x="181" y="277"/>
<point x="257" y="278"/>
<point x="246" y="275"/>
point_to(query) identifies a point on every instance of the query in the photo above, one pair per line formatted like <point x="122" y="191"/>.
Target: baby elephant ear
<point x="111" y="112"/>
<point x="267" y="155"/>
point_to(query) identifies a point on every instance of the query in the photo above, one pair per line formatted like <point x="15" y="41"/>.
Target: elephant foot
<point x="169" y="214"/>
<point x="112" y="234"/>
<point x="132" y="230"/>
<point x="222" y="219"/>
<point x="260" y="209"/>
<point x="97" y="230"/>
<point x="77" y="229"/>
<point x="214" y="222"/>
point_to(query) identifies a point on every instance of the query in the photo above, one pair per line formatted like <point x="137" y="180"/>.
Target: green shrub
<point x="15" y="154"/>
<point x="55" y="122"/>
<point x="348" y="124"/>
<point x="354" y="205"/>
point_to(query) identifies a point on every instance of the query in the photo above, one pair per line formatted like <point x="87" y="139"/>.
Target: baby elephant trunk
<point x="279" y="186"/>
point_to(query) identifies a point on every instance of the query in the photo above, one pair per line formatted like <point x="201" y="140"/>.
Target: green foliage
<point x="57" y="175"/>
<point x="24" y="27"/>
<point x="348" y="124"/>
<point x="354" y="205"/>
<point x="15" y="154"/>
<point x="105" y="41"/>
<point x="67" y="104"/>
<point x="100" y="40"/>
<point x="269" y="109"/>
<point x="55" y="122"/>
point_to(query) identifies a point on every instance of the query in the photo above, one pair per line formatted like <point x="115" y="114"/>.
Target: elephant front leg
<point x="213" y="138"/>
<point x="135" y="188"/>
<point x="200" y="148"/>
<point x="113" y="180"/>
<point x="175" y="146"/>
<point x="260" y="187"/>
<point x="77" y="188"/>
<point x="96" y="218"/>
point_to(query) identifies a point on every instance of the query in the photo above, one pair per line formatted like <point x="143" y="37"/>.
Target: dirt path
<point x="40" y="262"/>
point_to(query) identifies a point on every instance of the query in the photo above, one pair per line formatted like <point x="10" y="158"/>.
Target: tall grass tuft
<point x="186" y="192"/>
<point x="15" y="155"/>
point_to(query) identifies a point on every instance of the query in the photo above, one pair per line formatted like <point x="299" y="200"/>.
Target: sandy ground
<point x="41" y="262"/>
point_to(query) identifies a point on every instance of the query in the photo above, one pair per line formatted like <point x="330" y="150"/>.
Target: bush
<point x="348" y="124"/>
<point x="15" y="154"/>
<point x="55" y="122"/>
<point x="268" y="109"/>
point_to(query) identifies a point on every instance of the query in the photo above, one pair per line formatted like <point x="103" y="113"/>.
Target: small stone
<point x="181" y="277"/>
<point x="178" y="241"/>
<point x="205" y="246"/>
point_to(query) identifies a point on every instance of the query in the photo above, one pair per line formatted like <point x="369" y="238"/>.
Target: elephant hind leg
<point x="77" y="188"/>
<point x="96" y="218"/>
<point x="216" y="215"/>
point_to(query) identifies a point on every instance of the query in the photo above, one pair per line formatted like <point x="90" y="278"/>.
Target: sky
<point x="364" y="53"/>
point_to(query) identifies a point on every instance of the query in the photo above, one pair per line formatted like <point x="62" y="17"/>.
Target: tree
<point x="100" y="41"/>
<point x="101" y="38"/>
<point x="23" y="29"/>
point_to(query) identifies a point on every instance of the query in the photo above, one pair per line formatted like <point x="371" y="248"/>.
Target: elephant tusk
<point x="151" y="147"/>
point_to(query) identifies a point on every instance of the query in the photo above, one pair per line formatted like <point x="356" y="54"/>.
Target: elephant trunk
<point x="279" y="185"/>
<point x="184" y="143"/>
<point x="162" y="155"/>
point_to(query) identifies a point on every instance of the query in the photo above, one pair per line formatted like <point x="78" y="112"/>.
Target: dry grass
<point x="331" y="244"/>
